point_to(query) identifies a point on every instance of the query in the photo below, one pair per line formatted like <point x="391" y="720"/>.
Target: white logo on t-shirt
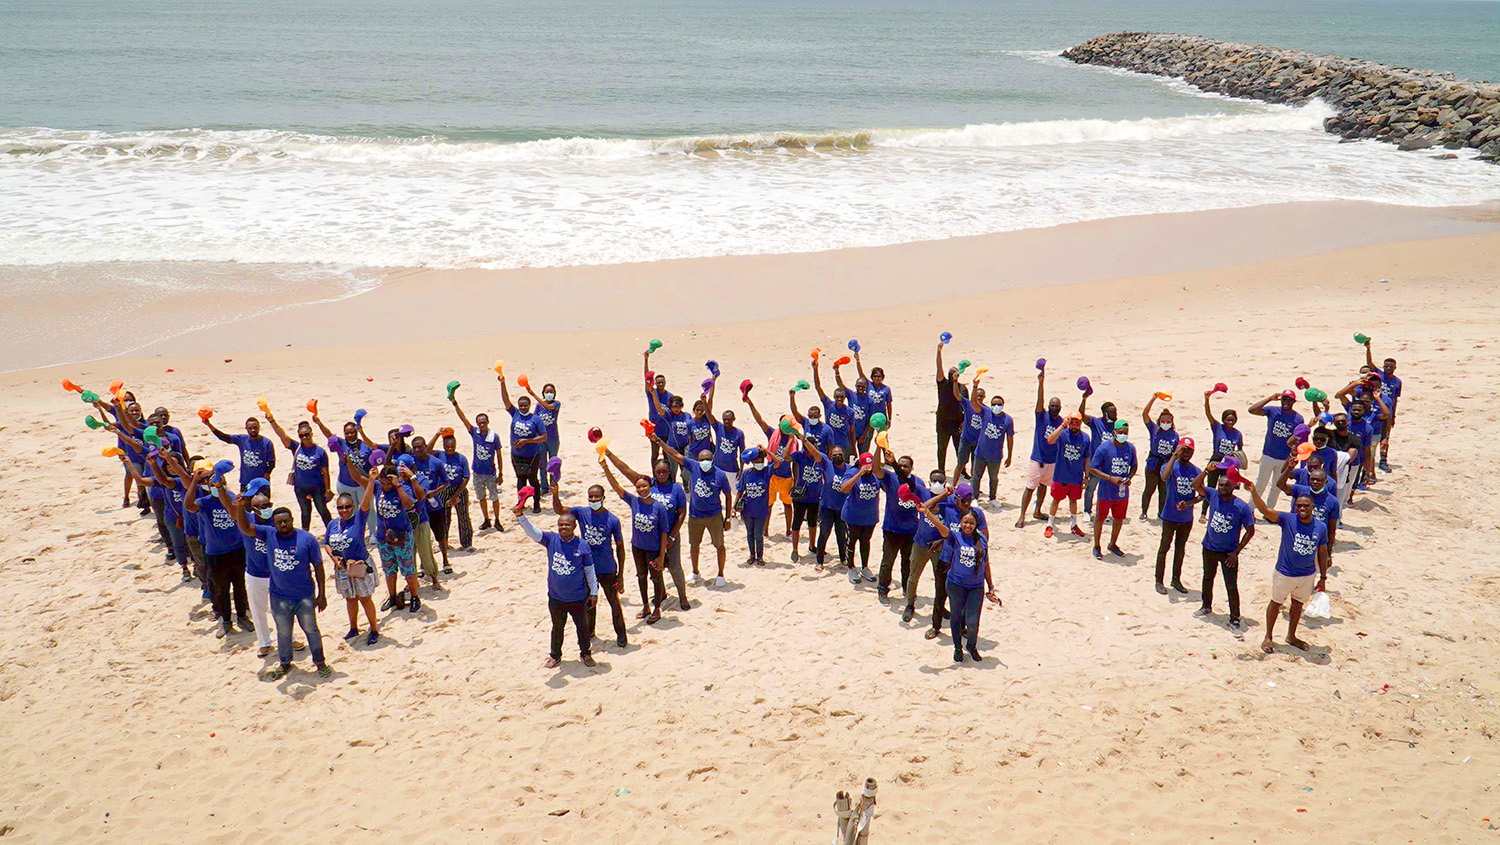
<point x="562" y="565"/>
<point x="306" y="460"/>
<point x="1304" y="544"/>
<point x="222" y="520"/>
<point x="284" y="559"/>
<point x="702" y="489"/>
<point x="645" y="522"/>
<point x="594" y="535"/>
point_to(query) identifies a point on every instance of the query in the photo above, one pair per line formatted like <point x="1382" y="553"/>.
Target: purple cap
<point x="336" y="444"/>
<point x="1041" y="363"/>
<point x="707" y="385"/>
<point x="377" y="457"/>
<point x="405" y="430"/>
<point x="554" y="468"/>
<point x="1083" y="382"/>
<point x="964" y="490"/>
<point x="1229" y="462"/>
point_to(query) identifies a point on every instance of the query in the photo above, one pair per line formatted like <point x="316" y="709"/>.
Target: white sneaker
<point x="697" y="579"/>
<point x="719" y="581"/>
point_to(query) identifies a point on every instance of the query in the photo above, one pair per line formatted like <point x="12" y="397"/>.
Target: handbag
<point x="357" y="569"/>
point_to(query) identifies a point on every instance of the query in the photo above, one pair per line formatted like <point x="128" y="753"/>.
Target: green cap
<point x="879" y="422"/>
<point x="89" y="397"/>
<point x="1361" y="338"/>
<point x="801" y="385"/>
<point x="786" y="427"/>
<point x="1121" y="425"/>
<point x="91" y="422"/>
<point x="452" y="387"/>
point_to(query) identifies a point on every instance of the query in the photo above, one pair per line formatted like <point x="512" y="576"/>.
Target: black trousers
<point x="1212" y="562"/>
<point x="528" y="471"/>
<point x="1172" y="532"/>
<point x="948" y="431"/>
<point x="309" y="498"/>
<point x="609" y="588"/>
<point x="859" y="538"/>
<point x="805" y="512"/>
<point x="940" y="593"/>
<point x="643" y="571"/>
<point x="226" y="573"/>
<point x="895" y="544"/>
<point x="560" y="611"/>
<point x="830" y="521"/>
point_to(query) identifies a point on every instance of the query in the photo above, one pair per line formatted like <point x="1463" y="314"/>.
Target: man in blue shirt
<point x="899" y="527"/>
<point x="488" y="470"/>
<point x="297" y="582"/>
<point x="710" y="501"/>
<point x="1281" y="421"/>
<point x="257" y="453"/>
<point x="572" y="584"/>
<point x="1177" y="478"/>
<point x="606" y="539"/>
<point x="1390" y="394"/>
<point x="1114" y="464"/>
<point x="1230" y="526"/>
<point x="1301" y="565"/>
<point x="528" y="444"/>
<point x="1043" y="454"/>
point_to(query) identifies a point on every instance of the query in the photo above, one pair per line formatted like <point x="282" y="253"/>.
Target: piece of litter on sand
<point x="1271" y="684"/>
<point x="1086" y="707"/>
<point x="622" y="791"/>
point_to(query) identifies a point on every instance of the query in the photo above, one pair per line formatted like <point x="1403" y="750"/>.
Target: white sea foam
<point x="271" y="196"/>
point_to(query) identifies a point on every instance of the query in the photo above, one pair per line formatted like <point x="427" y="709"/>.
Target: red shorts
<point x="1071" y="492"/>
<point x="1111" y="510"/>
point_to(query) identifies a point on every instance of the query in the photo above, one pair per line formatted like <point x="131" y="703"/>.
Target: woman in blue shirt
<point x="548" y="408"/>
<point x="309" y="471"/>
<point x="648" y="540"/>
<point x="353" y="575"/>
<point x="528" y="443"/>
<point x="967" y="555"/>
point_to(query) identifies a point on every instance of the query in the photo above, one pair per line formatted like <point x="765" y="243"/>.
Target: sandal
<point x="279" y="672"/>
<point x="325" y="672"/>
<point x="262" y="653"/>
<point x="654" y="617"/>
<point x="551" y="662"/>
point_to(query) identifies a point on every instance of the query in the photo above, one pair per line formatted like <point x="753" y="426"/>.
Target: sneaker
<point x="390" y="602"/>
<point x="908" y="613"/>
<point x="958" y="655"/>
<point x="588" y="660"/>
<point x="207" y="595"/>
<point x="1115" y="550"/>
<point x="244" y="624"/>
<point x="1096" y="554"/>
<point x="171" y="556"/>
<point x="447" y="569"/>
<point x="415" y="604"/>
<point x="353" y="632"/>
<point x="1048" y="532"/>
<point x="1236" y="627"/>
<point x="719" y="581"/>
<point x="974" y="655"/>
<point x="186" y="576"/>
<point x="621" y="642"/>
<point x="223" y="631"/>
<point x="1161" y="590"/>
<point x="697" y="579"/>
<point x="1202" y="612"/>
<point x="484" y="525"/>
<point x="1384" y="467"/>
<point x="373" y="638"/>
<point x="1177" y="585"/>
<point x="866" y="574"/>
<point x="1078" y="532"/>
<point x="853" y="575"/>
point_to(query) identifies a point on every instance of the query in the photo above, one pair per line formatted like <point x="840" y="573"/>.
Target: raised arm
<point x="973" y="399"/>
<point x="1345" y="396"/>
<point x="847" y="485"/>
<point x="468" y="426"/>
<point x="276" y="427"/>
<point x="364" y="438"/>
<point x="812" y="451"/>
<point x="1260" y="505"/>
<point x="672" y="454"/>
<point x="369" y="495"/>
<point x="1259" y="408"/>
<point x="942" y="529"/>
<point x="408" y="501"/>
<point x="709" y="399"/>
<point x="859" y="367"/>
<point x="237" y="510"/>
<point x="217" y="433"/>
<point x="1146" y="411"/>
<point x="940" y="372"/>
<point x="623" y="467"/>
<point x="505" y="396"/>
<point x="1041" y="391"/>
<point x="818" y="382"/>
<point x="1369" y="356"/>
<point x="759" y="420"/>
<point x="551" y="406"/>
<point x="130" y="470"/>
<point x="838" y="377"/>
<point x="1056" y="433"/>
<point x="1208" y="408"/>
<point x="614" y="483"/>
<point x="359" y="475"/>
<point x="1385" y="411"/>
<point x="321" y="427"/>
<point x="796" y="415"/>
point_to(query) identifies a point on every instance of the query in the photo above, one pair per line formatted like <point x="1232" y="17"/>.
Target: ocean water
<point x="462" y="133"/>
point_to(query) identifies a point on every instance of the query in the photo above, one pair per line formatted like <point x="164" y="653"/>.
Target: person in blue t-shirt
<point x="729" y="443"/>
<point x="257" y="453"/>
<point x="1073" y="451"/>
<point x="354" y="575"/>
<point x="127" y="416"/>
<point x="1390" y="395"/>
<point x="810" y="476"/>
<point x="528" y="444"/>
<point x="778" y="452"/>
<point x="1227" y="440"/>
<point x="966" y="551"/>
<point x="648" y="540"/>
<point x="1301" y="565"/>
<point x="431" y="473"/>
<point x="297" y="584"/>
<point x="1177" y="477"/>
<point x="548" y="408"/>
<point x="861" y="511"/>
<point x="1230" y="527"/>
<point x="602" y="531"/>
<point x="927" y="544"/>
<point x="813" y="427"/>
<point x="831" y="508"/>
<point x="1114" y="464"/>
<point x="710" y="502"/>
<point x="674" y="504"/>
<point x="838" y="415"/>
<point x="310" y="483"/>
<point x="1368" y="415"/>
<point x="1043" y="454"/>
<point x="657" y="395"/>
<point x="572" y="584"/>
<point x="398" y="505"/>
<point x="997" y="438"/>
<point x="1163" y="434"/>
<point x="971" y="427"/>
<point x="1100" y="430"/>
<point x="859" y="405"/>
<point x="455" y="497"/>
<point x="208" y="496"/>
<point x="356" y="449"/>
<point x="1281" y="422"/>
<point x="752" y="502"/>
<point x="899" y="526"/>
<point x="487" y="468"/>
<point x="1326" y="506"/>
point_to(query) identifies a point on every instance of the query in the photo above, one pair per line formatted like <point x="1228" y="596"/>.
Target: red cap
<point x="1188" y="442"/>
<point x="1287" y="394"/>
<point x="866" y="459"/>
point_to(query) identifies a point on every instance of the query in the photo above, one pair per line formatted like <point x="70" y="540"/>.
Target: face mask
<point x="1121" y="437"/>
<point x="1166" y="426"/>
<point x="759" y="465"/>
<point x="264" y="513"/>
<point x="814" y="420"/>
<point x="996" y="407"/>
<point x="839" y="461"/>
<point x="1318" y="490"/>
<point x="705" y="465"/>
<point x="1000" y="408"/>
<point x="598" y="506"/>
<point x="549" y="396"/>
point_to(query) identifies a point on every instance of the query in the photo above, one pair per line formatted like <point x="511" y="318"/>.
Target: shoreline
<point x="743" y="288"/>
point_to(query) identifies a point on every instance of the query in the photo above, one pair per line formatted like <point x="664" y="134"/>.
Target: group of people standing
<point x="828" y="463"/>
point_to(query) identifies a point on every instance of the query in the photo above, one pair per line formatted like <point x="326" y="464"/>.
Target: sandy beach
<point x="1102" y="711"/>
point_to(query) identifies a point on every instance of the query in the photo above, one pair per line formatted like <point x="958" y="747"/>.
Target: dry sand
<point x="1102" y="711"/>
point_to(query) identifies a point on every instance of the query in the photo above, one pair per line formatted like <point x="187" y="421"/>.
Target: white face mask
<point x="1120" y="437"/>
<point x="997" y="407"/>
<point x="598" y="506"/>
<point x="1166" y="426"/>
<point x="705" y="465"/>
<point x="759" y="464"/>
<point x="549" y="396"/>
<point x="264" y="513"/>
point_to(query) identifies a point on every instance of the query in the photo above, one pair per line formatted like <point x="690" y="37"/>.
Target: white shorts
<point x="1038" y="475"/>
<point x="1299" y="589"/>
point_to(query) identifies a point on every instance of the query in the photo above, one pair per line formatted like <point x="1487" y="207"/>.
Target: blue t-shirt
<point x="359" y="455"/>
<point x="308" y="466"/>
<point x="708" y="490"/>
<point x="1227" y="440"/>
<point x="967" y="558"/>
<point x="566" y="561"/>
<point x="862" y="504"/>
<point x="880" y="399"/>
<point x="665" y="398"/>
<point x="549" y="418"/>
<point x="1298" y="555"/>
<point x="817" y="432"/>
<point x="1226" y="519"/>
<point x="649" y="524"/>
<point x="700" y="437"/>
<point x="901" y="517"/>
<point x="992" y="437"/>
<point x="1178" y="487"/>
<point x="678" y="430"/>
<point x="839" y="419"/>
<point x="599" y="528"/>
<point x="1117" y="459"/>
<point x="389" y="513"/>
<point x="1279" y="427"/>
<point x="755" y="484"/>
<point x="730" y="442"/>
<point x="220" y="533"/>
<point x="673" y="501"/>
<point x="486" y="451"/>
<point x="1163" y="444"/>
<point x="257" y="457"/>
<point x="524" y="427"/>
<point x="1366" y="429"/>
<point x="292" y="560"/>
<point x="973" y="423"/>
<point x="431" y="473"/>
<point x="1100" y="428"/>
<point x="347" y="536"/>
<point x="1041" y="451"/>
<point x="833" y="491"/>
<point x="859" y="406"/>
<point x="257" y="551"/>
<point x="1326" y="507"/>
<point x="810" y="476"/>
<point x="455" y="471"/>
<point x="1390" y="391"/>
<point x="1072" y="457"/>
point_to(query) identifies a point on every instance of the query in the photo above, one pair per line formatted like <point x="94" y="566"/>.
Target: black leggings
<point x="528" y="471"/>
<point x="440" y="520"/>
<point x="1172" y="532"/>
<point x="226" y="574"/>
<point x="643" y="570"/>
<point x="560" y="611"/>
<point x="309" y="498"/>
<point x="948" y="431"/>
<point x="830" y="521"/>
<point x="159" y="510"/>
<point x="1212" y="561"/>
<point x="859" y="538"/>
<point x="1153" y="484"/>
<point x="609" y="590"/>
<point x="805" y="512"/>
<point x="894" y="544"/>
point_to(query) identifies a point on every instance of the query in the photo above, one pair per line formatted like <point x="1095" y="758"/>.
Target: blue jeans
<point x="179" y="544"/>
<point x="1088" y="493"/>
<point x="963" y="607"/>
<point x="755" y="527"/>
<point x="552" y="447"/>
<point x="306" y="611"/>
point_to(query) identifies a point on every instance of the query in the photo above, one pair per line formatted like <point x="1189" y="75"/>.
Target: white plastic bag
<point x="1320" y="607"/>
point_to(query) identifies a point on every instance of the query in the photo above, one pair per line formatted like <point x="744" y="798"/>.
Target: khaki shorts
<point x="713" y="524"/>
<point x="1038" y="475"/>
<point x="781" y="489"/>
<point x="1299" y="589"/>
